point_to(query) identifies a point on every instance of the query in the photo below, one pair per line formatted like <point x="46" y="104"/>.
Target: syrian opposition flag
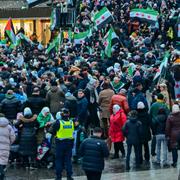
<point x="110" y="40"/>
<point x="55" y="43"/>
<point x="81" y="37"/>
<point x="9" y="30"/>
<point x="54" y="19"/>
<point x="147" y="14"/>
<point x="162" y="66"/>
<point x="178" y="30"/>
<point x="102" y="18"/>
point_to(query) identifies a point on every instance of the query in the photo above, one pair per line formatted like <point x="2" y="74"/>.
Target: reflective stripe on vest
<point x="66" y="130"/>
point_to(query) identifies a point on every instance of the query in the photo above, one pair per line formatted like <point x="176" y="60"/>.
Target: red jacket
<point x="121" y="100"/>
<point x="117" y="121"/>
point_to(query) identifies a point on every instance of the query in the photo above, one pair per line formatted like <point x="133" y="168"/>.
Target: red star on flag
<point x="177" y="86"/>
<point x="149" y="17"/>
<point x="137" y="14"/>
<point x="142" y="15"/>
<point x="97" y="22"/>
<point x="105" y="43"/>
<point x="102" y="17"/>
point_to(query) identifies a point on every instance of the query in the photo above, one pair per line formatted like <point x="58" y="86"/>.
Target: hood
<point x="9" y="96"/>
<point x="54" y="89"/>
<point x="71" y="98"/>
<point x="3" y="122"/>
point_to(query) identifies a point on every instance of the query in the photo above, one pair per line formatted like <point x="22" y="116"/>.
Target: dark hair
<point x="97" y="130"/>
<point x="53" y="83"/>
<point x="80" y="90"/>
<point x="105" y="85"/>
<point x="160" y="96"/>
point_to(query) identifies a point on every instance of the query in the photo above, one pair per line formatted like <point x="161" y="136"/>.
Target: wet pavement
<point x="114" y="170"/>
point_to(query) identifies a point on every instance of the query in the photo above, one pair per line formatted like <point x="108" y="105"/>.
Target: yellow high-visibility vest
<point x="66" y="130"/>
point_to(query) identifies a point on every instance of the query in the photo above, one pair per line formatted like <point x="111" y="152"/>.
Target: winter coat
<point x="82" y="109"/>
<point x="173" y="128"/>
<point x="132" y="130"/>
<point x="7" y="137"/>
<point x="35" y="103"/>
<point x="104" y="102"/>
<point x="56" y="99"/>
<point x="155" y="108"/>
<point x="10" y="106"/>
<point x="93" y="150"/>
<point x="28" y="127"/>
<point x="121" y="100"/>
<point x="71" y="104"/>
<point x="139" y="97"/>
<point x="160" y="123"/>
<point x="145" y="120"/>
<point x="117" y="121"/>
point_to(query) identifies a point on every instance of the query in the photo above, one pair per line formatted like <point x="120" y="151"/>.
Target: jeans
<point x="93" y="175"/>
<point x="146" y="152"/>
<point x="2" y="173"/>
<point x="174" y="155"/>
<point x="136" y="149"/>
<point x="119" y="146"/>
<point x="63" y="157"/>
<point x="161" y="139"/>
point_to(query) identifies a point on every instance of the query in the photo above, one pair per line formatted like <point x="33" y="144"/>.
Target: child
<point x="132" y="131"/>
<point x="7" y="137"/>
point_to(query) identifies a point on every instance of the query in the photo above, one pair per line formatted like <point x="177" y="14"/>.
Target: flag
<point x="162" y="66"/>
<point x="81" y="37"/>
<point x="55" y="43"/>
<point x="25" y="38"/>
<point x="3" y="43"/>
<point x="9" y="30"/>
<point x="110" y="40"/>
<point x="147" y="14"/>
<point x="179" y="30"/>
<point x="102" y="18"/>
<point x="55" y="19"/>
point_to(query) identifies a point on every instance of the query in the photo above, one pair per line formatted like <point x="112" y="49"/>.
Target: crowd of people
<point x="79" y="87"/>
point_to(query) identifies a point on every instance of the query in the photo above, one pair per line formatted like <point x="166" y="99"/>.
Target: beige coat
<point x="7" y="137"/>
<point x="104" y="102"/>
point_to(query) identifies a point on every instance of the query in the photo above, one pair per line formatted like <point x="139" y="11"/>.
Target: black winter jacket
<point x="132" y="130"/>
<point x="10" y="106"/>
<point x="160" y="123"/>
<point x="93" y="150"/>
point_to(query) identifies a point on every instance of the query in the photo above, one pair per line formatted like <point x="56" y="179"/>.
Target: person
<point x="173" y="131"/>
<point x="132" y="130"/>
<point x="144" y="118"/>
<point x="121" y="100"/>
<point x="63" y="130"/>
<point x="117" y="121"/>
<point x="164" y="92"/>
<point x="44" y="119"/>
<point x="159" y="104"/>
<point x="71" y="104"/>
<point x="104" y="101"/>
<point x="82" y="108"/>
<point x="55" y="98"/>
<point x="93" y="151"/>
<point x="160" y="125"/>
<point x="138" y="97"/>
<point x="27" y="126"/>
<point x="35" y="102"/>
<point x="10" y="106"/>
<point x="7" y="137"/>
<point x="91" y="93"/>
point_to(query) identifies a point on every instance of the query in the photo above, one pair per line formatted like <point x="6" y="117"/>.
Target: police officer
<point x="63" y="130"/>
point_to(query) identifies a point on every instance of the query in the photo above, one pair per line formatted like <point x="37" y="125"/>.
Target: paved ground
<point x="114" y="170"/>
